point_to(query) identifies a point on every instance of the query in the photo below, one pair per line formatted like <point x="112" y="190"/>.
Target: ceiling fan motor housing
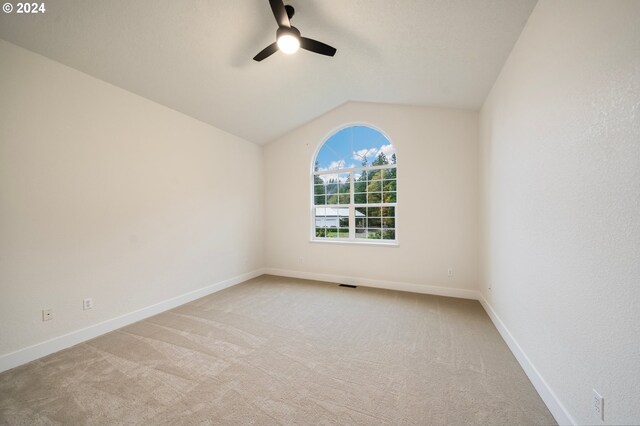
<point x="288" y="38"/>
<point x="293" y="31"/>
<point x="290" y="10"/>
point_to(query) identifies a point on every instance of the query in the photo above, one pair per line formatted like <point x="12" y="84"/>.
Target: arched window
<point x="354" y="187"/>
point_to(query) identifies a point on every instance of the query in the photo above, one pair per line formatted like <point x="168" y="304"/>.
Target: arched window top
<point x="354" y="147"/>
<point x="354" y="188"/>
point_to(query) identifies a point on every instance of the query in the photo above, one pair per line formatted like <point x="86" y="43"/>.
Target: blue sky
<point x="349" y="146"/>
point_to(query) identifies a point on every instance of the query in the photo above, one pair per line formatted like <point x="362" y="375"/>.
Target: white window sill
<point x="357" y="243"/>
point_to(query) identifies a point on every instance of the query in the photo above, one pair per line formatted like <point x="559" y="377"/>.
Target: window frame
<point x="352" y="206"/>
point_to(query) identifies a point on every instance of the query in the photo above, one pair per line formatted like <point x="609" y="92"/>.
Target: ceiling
<point x="196" y="56"/>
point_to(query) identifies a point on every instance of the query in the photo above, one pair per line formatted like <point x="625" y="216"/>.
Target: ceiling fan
<point x="288" y="38"/>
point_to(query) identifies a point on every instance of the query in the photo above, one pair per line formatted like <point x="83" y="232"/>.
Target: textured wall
<point x="107" y="195"/>
<point x="560" y="136"/>
<point x="437" y="198"/>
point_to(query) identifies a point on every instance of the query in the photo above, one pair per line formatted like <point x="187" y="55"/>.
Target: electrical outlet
<point x="450" y="272"/>
<point x="598" y="405"/>
<point x="47" y="314"/>
<point x="87" y="303"/>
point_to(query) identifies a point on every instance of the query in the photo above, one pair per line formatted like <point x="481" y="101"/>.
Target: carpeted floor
<point x="284" y="351"/>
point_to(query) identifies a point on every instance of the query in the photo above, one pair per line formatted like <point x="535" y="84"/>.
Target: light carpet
<point x="277" y="350"/>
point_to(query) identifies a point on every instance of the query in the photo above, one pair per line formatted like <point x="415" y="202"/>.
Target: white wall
<point x="437" y="201"/>
<point x="105" y="194"/>
<point x="560" y="136"/>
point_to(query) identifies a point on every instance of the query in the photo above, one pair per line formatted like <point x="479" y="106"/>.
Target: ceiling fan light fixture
<point x="288" y="38"/>
<point x="288" y="43"/>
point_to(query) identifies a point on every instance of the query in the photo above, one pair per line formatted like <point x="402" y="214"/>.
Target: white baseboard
<point x="368" y="282"/>
<point x="30" y="353"/>
<point x="56" y="344"/>
<point x="549" y="397"/>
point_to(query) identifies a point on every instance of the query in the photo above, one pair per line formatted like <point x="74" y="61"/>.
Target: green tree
<point x="374" y="186"/>
<point x="380" y="160"/>
<point x="360" y="188"/>
<point x="319" y="189"/>
<point x="363" y="157"/>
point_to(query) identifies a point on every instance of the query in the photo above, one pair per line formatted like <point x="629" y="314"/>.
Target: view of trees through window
<point x="354" y="187"/>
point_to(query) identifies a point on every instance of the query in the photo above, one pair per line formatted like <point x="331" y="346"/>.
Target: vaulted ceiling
<point x="196" y="56"/>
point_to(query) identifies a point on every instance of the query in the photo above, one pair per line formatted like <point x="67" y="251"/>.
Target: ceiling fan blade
<point x="280" y="13"/>
<point x="317" y="46"/>
<point x="266" y="52"/>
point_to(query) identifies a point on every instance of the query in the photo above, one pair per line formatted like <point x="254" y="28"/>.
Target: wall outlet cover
<point x="47" y="314"/>
<point x="87" y="303"/>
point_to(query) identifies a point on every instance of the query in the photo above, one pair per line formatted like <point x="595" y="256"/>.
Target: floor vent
<point x="347" y="285"/>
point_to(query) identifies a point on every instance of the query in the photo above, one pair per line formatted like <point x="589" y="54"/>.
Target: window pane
<point x="373" y="211"/>
<point x="388" y="222"/>
<point x="332" y="233"/>
<point x="375" y="175"/>
<point x="390" y="197"/>
<point x="335" y="184"/>
<point x="389" y="234"/>
<point x="374" y="234"/>
<point x="375" y="186"/>
<point x="389" y="185"/>
<point x="388" y="211"/>
<point x="335" y="220"/>
<point x="374" y="222"/>
<point x="319" y="192"/>
<point x="343" y="183"/>
<point x="344" y="199"/>
<point x="361" y="215"/>
<point x="328" y="219"/>
<point x="375" y="197"/>
<point x="390" y="173"/>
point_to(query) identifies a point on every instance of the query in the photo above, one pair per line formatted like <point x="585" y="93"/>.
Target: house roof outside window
<point x="334" y="212"/>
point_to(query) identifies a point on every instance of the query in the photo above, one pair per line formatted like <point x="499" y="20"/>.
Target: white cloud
<point x="387" y="150"/>
<point x="371" y="153"/>
<point x="364" y="153"/>
<point x="336" y="165"/>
